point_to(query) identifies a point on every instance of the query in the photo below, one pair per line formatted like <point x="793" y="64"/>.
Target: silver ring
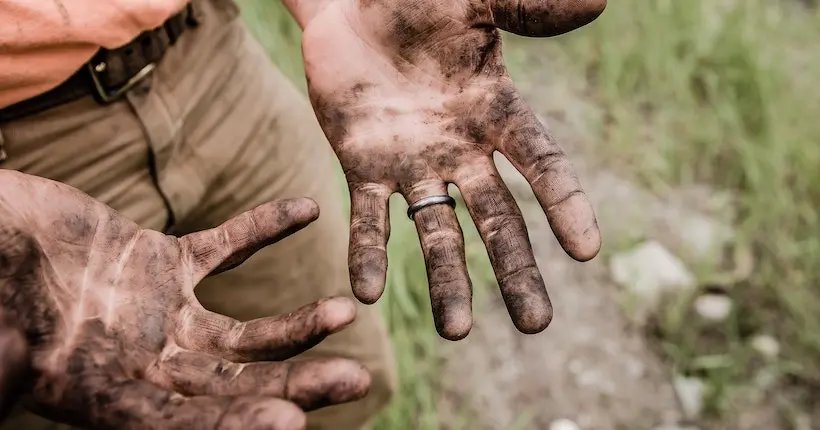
<point x="430" y="201"/>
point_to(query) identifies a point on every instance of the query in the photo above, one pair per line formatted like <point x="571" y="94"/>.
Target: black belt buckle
<point x="107" y="96"/>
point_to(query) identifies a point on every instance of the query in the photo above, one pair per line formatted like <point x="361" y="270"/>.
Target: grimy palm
<point x="413" y="95"/>
<point x="115" y="337"/>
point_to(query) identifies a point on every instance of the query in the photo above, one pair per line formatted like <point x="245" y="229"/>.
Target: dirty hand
<point x="117" y="338"/>
<point x="413" y="95"/>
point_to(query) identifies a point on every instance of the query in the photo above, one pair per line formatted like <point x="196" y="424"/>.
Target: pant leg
<point x="253" y="140"/>
<point x="101" y="151"/>
<point x="225" y="132"/>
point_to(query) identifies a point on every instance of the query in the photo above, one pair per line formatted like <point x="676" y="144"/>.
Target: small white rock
<point x="675" y="427"/>
<point x="690" y="393"/>
<point x="564" y="424"/>
<point x="713" y="307"/>
<point x="649" y="271"/>
<point x="764" y="380"/>
<point x="766" y="346"/>
<point x="703" y="238"/>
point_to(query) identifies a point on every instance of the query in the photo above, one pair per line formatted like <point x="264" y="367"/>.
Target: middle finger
<point x="311" y="384"/>
<point x="269" y="339"/>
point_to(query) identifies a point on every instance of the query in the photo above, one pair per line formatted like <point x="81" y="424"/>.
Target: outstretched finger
<point x="139" y="404"/>
<point x="546" y="167"/>
<point x="228" y="245"/>
<point x="369" y="231"/>
<point x="311" y="384"/>
<point x="502" y="228"/>
<point x="442" y="244"/>
<point x="544" y="18"/>
<point x="264" y="339"/>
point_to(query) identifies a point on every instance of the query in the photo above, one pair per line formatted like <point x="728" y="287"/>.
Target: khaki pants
<point x="215" y="131"/>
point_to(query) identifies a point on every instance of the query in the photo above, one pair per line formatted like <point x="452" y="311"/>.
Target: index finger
<point x="263" y="339"/>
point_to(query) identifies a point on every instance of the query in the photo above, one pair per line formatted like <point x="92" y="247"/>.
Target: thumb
<point x="13" y="366"/>
<point x="544" y="18"/>
<point x="227" y="246"/>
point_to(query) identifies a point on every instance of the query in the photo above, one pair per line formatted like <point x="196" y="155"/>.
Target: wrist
<point x="304" y="10"/>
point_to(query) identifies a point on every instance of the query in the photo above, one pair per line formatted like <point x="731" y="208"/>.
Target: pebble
<point x="690" y="393"/>
<point x="649" y="271"/>
<point x="766" y="345"/>
<point x="713" y="307"/>
<point x="564" y="424"/>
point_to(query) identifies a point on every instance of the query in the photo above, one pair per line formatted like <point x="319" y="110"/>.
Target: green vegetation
<point x="699" y="91"/>
<point x="724" y="93"/>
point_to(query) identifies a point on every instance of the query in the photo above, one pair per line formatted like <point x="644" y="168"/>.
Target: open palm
<point x="117" y="338"/>
<point x="413" y="96"/>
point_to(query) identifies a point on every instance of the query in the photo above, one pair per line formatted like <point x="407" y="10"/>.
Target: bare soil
<point x="592" y="365"/>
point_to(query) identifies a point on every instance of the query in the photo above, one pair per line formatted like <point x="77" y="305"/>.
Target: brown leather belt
<point x="111" y="73"/>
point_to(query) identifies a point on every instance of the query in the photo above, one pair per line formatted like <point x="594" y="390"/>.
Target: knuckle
<point x="443" y="238"/>
<point x="494" y="224"/>
<point x="368" y="224"/>
<point x="546" y="164"/>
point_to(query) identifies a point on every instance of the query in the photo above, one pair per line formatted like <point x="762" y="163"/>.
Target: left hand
<point x="413" y="95"/>
<point x="117" y="339"/>
<point x="14" y="356"/>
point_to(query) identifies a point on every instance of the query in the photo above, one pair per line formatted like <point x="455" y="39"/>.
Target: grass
<point x="699" y="91"/>
<point x="724" y="93"/>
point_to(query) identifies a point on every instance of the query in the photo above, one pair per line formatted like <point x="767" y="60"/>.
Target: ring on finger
<point x="430" y="201"/>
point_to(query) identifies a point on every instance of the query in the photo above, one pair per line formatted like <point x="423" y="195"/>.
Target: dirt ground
<point x="591" y="365"/>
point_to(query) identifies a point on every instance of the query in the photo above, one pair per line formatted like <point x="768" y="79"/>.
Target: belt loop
<point x="193" y="17"/>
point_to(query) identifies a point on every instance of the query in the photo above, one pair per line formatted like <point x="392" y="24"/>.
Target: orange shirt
<point x="43" y="42"/>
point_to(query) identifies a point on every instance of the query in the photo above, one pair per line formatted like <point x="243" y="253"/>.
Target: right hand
<point x="413" y="95"/>
<point x="117" y="338"/>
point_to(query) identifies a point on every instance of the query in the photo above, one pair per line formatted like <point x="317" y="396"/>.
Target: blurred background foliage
<point x="722" y="92"/>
